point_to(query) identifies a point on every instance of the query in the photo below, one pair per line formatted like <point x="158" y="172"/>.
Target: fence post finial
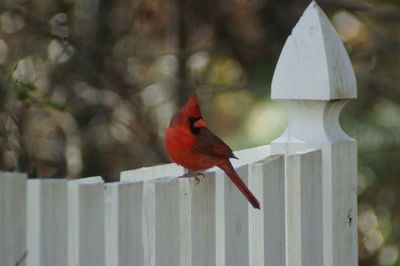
<point x="314" y="78"/>
<point x="314" y="64"/>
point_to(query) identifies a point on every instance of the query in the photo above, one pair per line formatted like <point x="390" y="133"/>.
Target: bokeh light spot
<point x="11" y="23"/>
<point x="25" y="70"/>
<point x="265" y="122"/>
<point x="198" y="62"/>
<point x="347" y="24"/>
<point x="153" y="95"/>
<point x="388" y="255"/>
<point x="373" y="240"/>
<point x="165" y="66"/>
<point x="59" y="51"/>
<point x="367" y="221"/>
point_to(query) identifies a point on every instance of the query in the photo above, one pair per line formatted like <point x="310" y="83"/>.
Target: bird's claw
<point x="197" y="175"/>
<point x="194" y="175"/>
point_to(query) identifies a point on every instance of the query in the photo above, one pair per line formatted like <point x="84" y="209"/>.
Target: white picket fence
<point x="305" y="181"/>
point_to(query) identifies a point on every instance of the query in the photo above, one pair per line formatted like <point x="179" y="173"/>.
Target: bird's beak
<point x="199" y="123"/>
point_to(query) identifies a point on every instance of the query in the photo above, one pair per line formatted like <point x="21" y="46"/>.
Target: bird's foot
<point x="194" y="175"/>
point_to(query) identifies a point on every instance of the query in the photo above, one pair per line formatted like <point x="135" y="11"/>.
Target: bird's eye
<point x="192" y="120"/>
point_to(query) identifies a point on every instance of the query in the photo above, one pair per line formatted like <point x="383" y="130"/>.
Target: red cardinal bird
<point x="188" y="142"/>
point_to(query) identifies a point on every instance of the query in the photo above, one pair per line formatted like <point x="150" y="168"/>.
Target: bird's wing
<point x="208" y="143"/>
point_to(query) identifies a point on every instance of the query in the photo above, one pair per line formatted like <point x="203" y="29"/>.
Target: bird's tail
<point x="228" y="169"/>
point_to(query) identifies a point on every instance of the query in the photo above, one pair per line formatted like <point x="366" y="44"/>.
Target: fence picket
<point x="47" y="222"/>
<point x="236" y="222"/>
<point x="304" y="209"/>
<point x="203" y="219"/>
<point x="123" y="224"/>
<point x="312" y="244"/>
<point x="12" y="219"/>
<point x="86" y="222"/>
<point x="255" y="183"/>
<point x="220" y="217"/>
<point x="171" y="223"/>
<point x="274" y="210"/>
<point x="149" y="224"/>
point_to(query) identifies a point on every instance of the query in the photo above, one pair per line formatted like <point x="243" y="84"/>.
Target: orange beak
<point x="199" y="123"/>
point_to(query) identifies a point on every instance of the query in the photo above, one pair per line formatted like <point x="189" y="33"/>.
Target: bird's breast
<point x="179" y="148"/>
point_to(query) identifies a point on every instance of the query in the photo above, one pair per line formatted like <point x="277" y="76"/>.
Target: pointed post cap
<point x="314" y="64"/>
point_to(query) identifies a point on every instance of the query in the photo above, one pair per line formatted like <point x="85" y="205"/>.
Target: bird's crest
<point x="192" y="107"/>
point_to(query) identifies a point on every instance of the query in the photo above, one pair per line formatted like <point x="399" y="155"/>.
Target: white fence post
<point x="47" y="231"/>
<point x="12" y="219"/>
<point x="86" y="222"/>
<point x="313" y="79"/>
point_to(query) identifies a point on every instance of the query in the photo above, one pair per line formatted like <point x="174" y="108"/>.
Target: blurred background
<point x="87" y="87"/>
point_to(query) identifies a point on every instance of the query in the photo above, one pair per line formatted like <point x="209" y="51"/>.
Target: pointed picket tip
<point x="314" y="64"/>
